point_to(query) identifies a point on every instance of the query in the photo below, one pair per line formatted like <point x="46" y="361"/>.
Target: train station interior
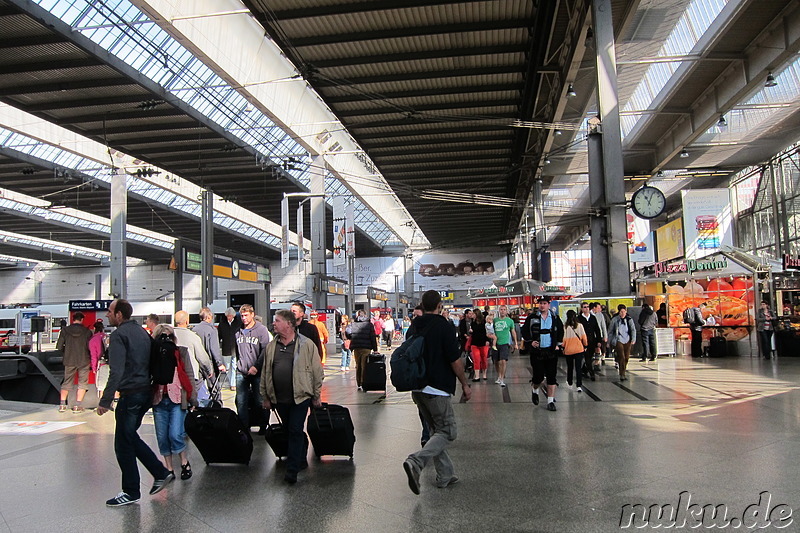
<point x="351" y="155"/>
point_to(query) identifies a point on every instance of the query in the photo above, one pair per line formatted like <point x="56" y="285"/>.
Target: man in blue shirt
<point x="543" y="334"/>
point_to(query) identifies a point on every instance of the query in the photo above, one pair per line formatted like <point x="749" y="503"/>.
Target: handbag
<point x="346" y="344"/>
<point x="574" y="344"/>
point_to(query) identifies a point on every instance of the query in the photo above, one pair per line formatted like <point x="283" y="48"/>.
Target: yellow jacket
<point x="306" y="372"/>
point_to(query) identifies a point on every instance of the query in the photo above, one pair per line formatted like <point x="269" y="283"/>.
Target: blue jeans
<point x="294" y="419"/>
<point x="648" y="343"/>
<point x="128" y="446"/>
<point x="168" y="418"/>
<point x="346" y="354"/>
<point x="248" y="387"/>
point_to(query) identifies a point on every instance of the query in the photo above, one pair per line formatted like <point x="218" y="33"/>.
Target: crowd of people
<point x="282" y="370"/>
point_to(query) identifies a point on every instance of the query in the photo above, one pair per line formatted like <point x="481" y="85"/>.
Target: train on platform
<point x="58" y="315"/>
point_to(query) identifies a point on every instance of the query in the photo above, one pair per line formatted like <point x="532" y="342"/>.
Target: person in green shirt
<point x="505" y="332"/>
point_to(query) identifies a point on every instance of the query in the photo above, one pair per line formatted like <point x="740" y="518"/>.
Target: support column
<point x="597" y="219"/>
<point x="177" y="281"/>
<point x="351" y="285"/>
<point x="408" y="279"/>
<point x="207" y="248"/>
<point x="119" y="217"/>
<point x="98" y="287"/>
<point x="319" y="270"/>
<point x="613" y="170"/>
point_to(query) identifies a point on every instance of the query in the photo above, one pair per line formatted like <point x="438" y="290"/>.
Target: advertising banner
<point x="285" y="232"/>
<point x="707" y="221"/>
<point x="640" y="239"/>
<point x="300" y="251"/>
<point x="338" y="231"/>
<point x="670" y="240"/>
<point x="350" y="229"/>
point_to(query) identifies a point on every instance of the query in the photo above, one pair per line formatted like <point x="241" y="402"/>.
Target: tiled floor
<point x="724" y="430"/>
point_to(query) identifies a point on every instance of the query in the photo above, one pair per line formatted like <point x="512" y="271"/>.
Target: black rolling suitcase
<point x="219" y="435"/>
<point x="278" y="438"/>
<point x="331" y="430"/>
<point x="374" y="373"/>
<point x="717" y="347"/>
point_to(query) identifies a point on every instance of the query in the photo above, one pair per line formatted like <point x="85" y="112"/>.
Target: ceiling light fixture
<point x="684" y="154"/>
<point x="546" y="160"/>
<point x="557" y="132"/>
<point x="770" y="81"/>
<point x="722" y="123"/>
<point x="571" y="91"/>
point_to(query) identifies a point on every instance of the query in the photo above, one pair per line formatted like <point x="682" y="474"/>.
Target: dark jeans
<point x="765" y="336"/>
<point x="294" y="420"/>
<point x="129" y="447"/>
<point x="248" y="394"/>
<point x="574" y="361"/>
<point x="697" y="343"/>
<point x="648" y="344"/>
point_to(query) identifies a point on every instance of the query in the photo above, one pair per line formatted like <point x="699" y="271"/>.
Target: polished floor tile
<point x="724" y="430"/>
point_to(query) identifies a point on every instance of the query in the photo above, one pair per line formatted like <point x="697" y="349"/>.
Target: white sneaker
<point x="498" y="381"/>
<point x="580" y="389"/>
<point x="502" y="383"/>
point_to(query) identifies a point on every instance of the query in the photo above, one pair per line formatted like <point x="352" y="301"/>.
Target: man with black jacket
<point x="593" y="338"/>
<point x="363" y="342"/>
<point x="129" y="364"/>
<point x="543" y="333"/>
<point x="305" y="328"/>
<point x="443" y="366"/>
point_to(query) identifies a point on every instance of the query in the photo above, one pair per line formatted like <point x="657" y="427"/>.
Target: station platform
<point x="723" y="430"/>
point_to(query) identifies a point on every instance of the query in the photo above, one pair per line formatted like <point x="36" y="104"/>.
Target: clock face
<point x="648" y="202"/>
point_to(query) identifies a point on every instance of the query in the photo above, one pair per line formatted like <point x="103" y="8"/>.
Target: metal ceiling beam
<point x="390" y="109"/>
<point x="401" y="136"/>
<point x="477" y="171"/>
<point x="416" y="121"/>
<point x="420" y="55"/>
<point x="139" y="141"/>
<point x="358" y="96"/>
<point x="424" y="141"/>
<point x="381" y="153"/>
<point x="27" y="41"/>
<point x="404" y="33"/>
<point x="184" y="123"/>
<point x="83" y="102"/>
<point x="356" y="7"/>
<point x="443" y="158"/>
<point x="455" y="165"/>
<point x="64" y="86"/>
<point x="121" y="114"/>
<point x="45" y="66"/>
<point x="345" y="82"/>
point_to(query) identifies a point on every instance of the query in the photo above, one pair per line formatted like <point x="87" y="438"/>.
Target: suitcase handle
<point x="314" y="411"/>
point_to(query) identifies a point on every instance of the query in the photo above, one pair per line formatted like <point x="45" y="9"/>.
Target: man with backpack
<point x="693" y="316"/>
<point x="129" y="364"/>
<point x="443" y="366"/>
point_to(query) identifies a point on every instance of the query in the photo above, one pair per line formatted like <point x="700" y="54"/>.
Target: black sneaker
<point x="551" y="406"/>
<point x="413" y="476"/>
<point x="535" y="397"/>
<point x="123" y="498"/>
<point x="159" y="484"/>
<point x="290" y="478"/>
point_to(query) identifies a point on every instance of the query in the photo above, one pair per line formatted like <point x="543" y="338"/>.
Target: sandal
<point x="186" y="471"/>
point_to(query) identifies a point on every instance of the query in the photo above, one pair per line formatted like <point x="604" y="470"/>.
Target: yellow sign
<point x="669" y="240"/>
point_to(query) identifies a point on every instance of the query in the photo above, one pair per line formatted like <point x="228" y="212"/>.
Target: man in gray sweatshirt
<point x="250" y="343"/>
<point x="129" y="365"/>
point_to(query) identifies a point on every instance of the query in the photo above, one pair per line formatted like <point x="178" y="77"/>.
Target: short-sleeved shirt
<point x="502" y="329"/>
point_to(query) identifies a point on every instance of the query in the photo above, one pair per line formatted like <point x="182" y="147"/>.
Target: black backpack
<point x="162" y="360"/>
<point x="408" y="363"/>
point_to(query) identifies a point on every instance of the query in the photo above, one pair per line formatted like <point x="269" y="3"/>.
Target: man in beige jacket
<point x="291" y="381"/>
